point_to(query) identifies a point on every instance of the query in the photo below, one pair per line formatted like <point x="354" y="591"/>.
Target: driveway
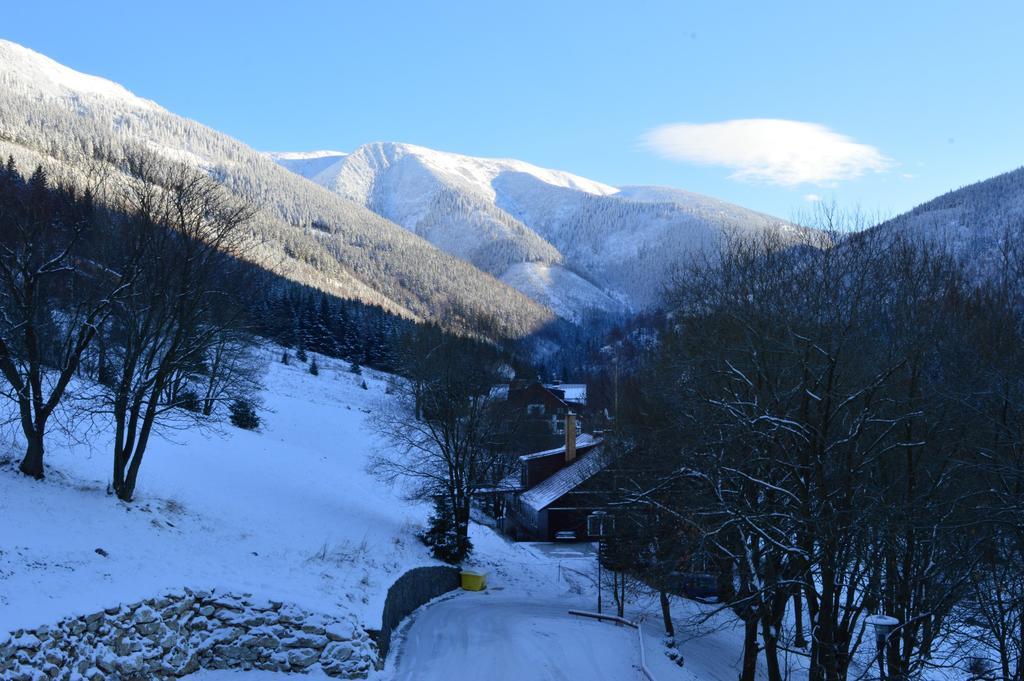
<point x="497" y="636"/>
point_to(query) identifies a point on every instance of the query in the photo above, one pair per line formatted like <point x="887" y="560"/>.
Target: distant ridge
<point x="571" y="243"/>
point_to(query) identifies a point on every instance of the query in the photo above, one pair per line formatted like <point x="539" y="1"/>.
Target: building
<point x="546" y="496"/>
<point x="572" y="393"/>
<point x="533" y="414"/>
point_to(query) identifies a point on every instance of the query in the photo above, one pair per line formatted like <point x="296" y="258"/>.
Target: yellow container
<point x="473" y="581"/>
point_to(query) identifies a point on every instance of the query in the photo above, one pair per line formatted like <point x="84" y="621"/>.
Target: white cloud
<point x="769" y="150"/>
<point x="812" y="198"/>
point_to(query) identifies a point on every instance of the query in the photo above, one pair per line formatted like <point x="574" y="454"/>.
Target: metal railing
<point x="624" y="622"/>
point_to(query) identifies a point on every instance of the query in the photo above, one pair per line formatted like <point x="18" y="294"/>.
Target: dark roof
<point x="513" y="481"/>
<point x="566" y="480"/>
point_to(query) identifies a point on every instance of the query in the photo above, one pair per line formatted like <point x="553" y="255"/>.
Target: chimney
<point x="570" y="437"/>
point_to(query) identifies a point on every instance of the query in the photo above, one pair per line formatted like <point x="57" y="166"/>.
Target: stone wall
<point x="182" y="632"/>
<point x="410" y="591"/>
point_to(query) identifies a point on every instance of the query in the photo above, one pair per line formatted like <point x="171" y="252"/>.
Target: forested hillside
<point x="77" y="126"/>
<point x="980" y="222"/>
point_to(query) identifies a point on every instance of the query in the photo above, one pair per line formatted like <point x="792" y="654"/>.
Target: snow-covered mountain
<point x="566" y="241"/>
<point x="75" y="125"/>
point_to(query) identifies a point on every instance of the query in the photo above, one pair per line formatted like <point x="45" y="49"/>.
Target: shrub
<point x="313" y="368"/>
<point x="243" y="415"/>
<point x="188" y="400"/>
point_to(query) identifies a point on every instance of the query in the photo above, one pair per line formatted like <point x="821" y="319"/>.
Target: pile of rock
<point x="181" y="632"/>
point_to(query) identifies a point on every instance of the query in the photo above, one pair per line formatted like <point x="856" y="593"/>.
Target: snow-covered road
<point x="502" y="636"/>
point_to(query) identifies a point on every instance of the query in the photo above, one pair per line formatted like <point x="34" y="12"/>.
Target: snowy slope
<point x="307" y="163"/>
<point x="67" y="121"/>
<point x="567" y="294"/>
<point x="289" y="512"/>
<point x="565" y="241"/>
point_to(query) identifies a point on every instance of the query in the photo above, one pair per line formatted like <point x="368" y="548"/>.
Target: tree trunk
<point x="618" y="591"/>
<point x="666" y="615"/>
<point x="32" y="464"/>
<point x="126" y="490"/>
<point x="461" y="510"/>
<point x="798" y="616"/>
<point x="749" y="671"/>
<point x="771" y="652"/>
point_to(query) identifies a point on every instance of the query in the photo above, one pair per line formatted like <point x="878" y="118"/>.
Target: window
<point x="535" y="410"/>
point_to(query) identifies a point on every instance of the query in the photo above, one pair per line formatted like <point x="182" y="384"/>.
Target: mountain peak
<point x="28" y="70"/>
<point x="477" y="171"/>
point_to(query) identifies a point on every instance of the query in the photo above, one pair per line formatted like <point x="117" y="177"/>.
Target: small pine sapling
<point x="243" y="414"/>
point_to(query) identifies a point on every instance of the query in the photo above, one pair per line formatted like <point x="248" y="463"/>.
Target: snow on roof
<point x="499" y="392"/>
<point x="566" y="480"/>
<point x="574" y="392"/>
<point x="582" y="440"/>
<point x="510" y="483"/>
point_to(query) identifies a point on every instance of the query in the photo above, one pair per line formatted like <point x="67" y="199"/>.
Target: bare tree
<point x="56" y="291"/>
<point x="440" y="425"/>
<point x="819" y="400"/>
<point x="183" y="309"/>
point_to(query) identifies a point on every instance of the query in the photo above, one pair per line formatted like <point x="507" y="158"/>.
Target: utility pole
<point x="599" y="524"/>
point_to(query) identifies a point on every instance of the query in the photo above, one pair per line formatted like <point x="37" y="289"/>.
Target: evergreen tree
<point x="441" y="536"/>
<point x="285" y="358"/>
<point x="243" y="415"/>
<point x="313" y="368"/>
<point x="301" y="355"/>
<point x="355" y="368"/>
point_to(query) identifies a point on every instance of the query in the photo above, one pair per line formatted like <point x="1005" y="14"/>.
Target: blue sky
<point x="881" y="105"/>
